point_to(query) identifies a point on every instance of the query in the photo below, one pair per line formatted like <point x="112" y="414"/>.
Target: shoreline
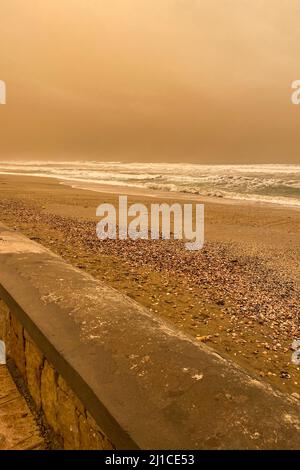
<point x="155" y="193"/>
<point x="240" y="295"/>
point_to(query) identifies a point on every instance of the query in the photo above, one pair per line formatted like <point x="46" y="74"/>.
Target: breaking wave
<point x="278" y="184"/>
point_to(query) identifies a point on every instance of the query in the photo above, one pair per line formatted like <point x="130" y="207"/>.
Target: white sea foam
<point x="278" y="184"/>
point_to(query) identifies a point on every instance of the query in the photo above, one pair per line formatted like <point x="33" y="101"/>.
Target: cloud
<point x="205" y="81"/>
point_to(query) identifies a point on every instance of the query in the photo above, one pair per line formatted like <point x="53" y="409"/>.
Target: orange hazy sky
<point x="150" y="80"/>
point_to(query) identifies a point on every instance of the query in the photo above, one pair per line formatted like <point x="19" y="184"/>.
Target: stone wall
<point x="71" y="422"/>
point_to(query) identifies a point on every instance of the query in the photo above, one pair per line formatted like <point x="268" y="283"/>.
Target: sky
<point x="205" y="81"/>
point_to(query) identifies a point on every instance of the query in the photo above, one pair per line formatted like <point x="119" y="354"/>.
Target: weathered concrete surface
<point x="18" y="430"/>
<point x="146" y="385"/>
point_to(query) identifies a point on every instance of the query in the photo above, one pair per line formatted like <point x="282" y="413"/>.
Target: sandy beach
<point x="240" y="294"/>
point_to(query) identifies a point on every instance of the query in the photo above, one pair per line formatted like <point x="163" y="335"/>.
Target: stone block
<point x="65" y="388"/>
<point x="34" y="366"/>
<point x="49" y="395"/>
<point x="67" y="421"/>
<point x="17" y="345"/>
<point x="91" y="438"/>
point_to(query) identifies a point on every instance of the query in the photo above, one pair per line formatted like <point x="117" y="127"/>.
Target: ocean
<point x="277" y="184"/>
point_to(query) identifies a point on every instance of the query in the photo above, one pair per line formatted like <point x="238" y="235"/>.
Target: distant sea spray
<point x="266" y="183"/>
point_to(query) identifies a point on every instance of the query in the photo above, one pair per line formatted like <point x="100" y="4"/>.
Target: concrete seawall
<point x="107" y="374"/>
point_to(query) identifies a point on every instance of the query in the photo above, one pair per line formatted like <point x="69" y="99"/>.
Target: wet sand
<point x="240" y="294"/>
